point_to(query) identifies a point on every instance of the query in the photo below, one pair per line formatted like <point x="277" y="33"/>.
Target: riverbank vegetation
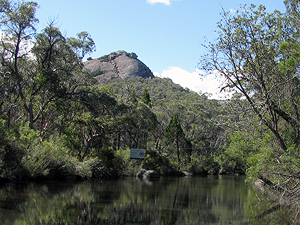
<point x="257" y="53"/>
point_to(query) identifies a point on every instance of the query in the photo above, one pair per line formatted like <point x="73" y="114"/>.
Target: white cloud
<point x="204" y="83"/>
<point x="152" y="2"/>
<point x="233" y="11"/>
<point x="25" y="47"/>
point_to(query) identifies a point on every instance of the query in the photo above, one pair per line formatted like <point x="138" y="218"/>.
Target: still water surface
<point x="194" y="200"/>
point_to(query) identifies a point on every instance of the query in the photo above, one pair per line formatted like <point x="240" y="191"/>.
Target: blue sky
<point x="165" y="34"/>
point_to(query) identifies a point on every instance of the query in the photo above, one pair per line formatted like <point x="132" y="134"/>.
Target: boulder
<point x="261" y="185"/>
<point x="188" y="173"/>
<point x="146" y="174"/>
<point x="140" y="173"/>
<point x="151" y="174"/>
<point x="169" y="171"/>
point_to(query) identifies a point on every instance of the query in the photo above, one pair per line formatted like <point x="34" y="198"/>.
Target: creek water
<point x="184" y="200"/>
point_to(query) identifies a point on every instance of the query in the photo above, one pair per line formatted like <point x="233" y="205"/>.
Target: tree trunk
<point x="177" y="146"/>
<point x="30" y="115"/>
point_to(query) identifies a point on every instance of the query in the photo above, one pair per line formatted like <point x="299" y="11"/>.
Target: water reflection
<point x="197" y="200"/>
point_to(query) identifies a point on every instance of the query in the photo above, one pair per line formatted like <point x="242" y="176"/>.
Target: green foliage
<point x="50" y="158"/>
<point x="109" y="164"/>
<point x="155" y="160"/>
<point x="174" y="128"/>
<point x="146" y="98"/>
<point x="11" y="167"/>
<point x="133" y="98"/>
<point x="202" y="164"/>
<point x="28" y="137"/>
<point x="49" y="71"/>
<point x="234" y="159"/>
<point x="174" y="133"/>
<point x="260" y="60"/>
<point x="83" y="44"/>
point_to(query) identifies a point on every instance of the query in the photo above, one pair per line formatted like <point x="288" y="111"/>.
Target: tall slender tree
<point x="174" y="133"/>
<point x="146" y="98"/>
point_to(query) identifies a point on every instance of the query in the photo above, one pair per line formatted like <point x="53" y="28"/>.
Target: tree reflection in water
<point x="197" y="200"/>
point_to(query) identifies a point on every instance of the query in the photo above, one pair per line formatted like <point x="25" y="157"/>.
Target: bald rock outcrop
<point x="118" y="64"/>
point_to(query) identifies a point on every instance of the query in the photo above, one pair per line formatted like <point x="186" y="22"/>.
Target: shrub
<point x="202" y="164"/>
<point x="50" y="159"/>
<point x="10" y="162"/>
<point x="10" y="155"/>
<point x="155" y="161"/>
<point x="109" y="164"/>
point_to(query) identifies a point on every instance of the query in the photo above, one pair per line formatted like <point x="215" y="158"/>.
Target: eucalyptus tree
<point x="58" y="72"/>
<point x="90" y="124"/>
<point x="41" y="68"/>
<point x="257" y="54"/>
<point x="83" y="44"/>
<point x="18" y="28"/>
<point x="248" y="55"/>
<point x="141" y="121"/>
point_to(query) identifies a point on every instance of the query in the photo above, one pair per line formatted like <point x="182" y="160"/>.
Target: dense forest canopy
<point x="57" y="121"/>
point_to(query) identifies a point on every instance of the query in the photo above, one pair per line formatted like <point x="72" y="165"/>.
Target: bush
<point x="50" y="159"/>
<point x="109" y="164"/>
<point x="10" y="155"/>
<point x="226" y="164"/>
<point x="155" y="161"/>
<point x="10" y="163"/>
<point x="202" y="164"/>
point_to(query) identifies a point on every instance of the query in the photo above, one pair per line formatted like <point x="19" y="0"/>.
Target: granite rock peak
<point x="119" y="64"/>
